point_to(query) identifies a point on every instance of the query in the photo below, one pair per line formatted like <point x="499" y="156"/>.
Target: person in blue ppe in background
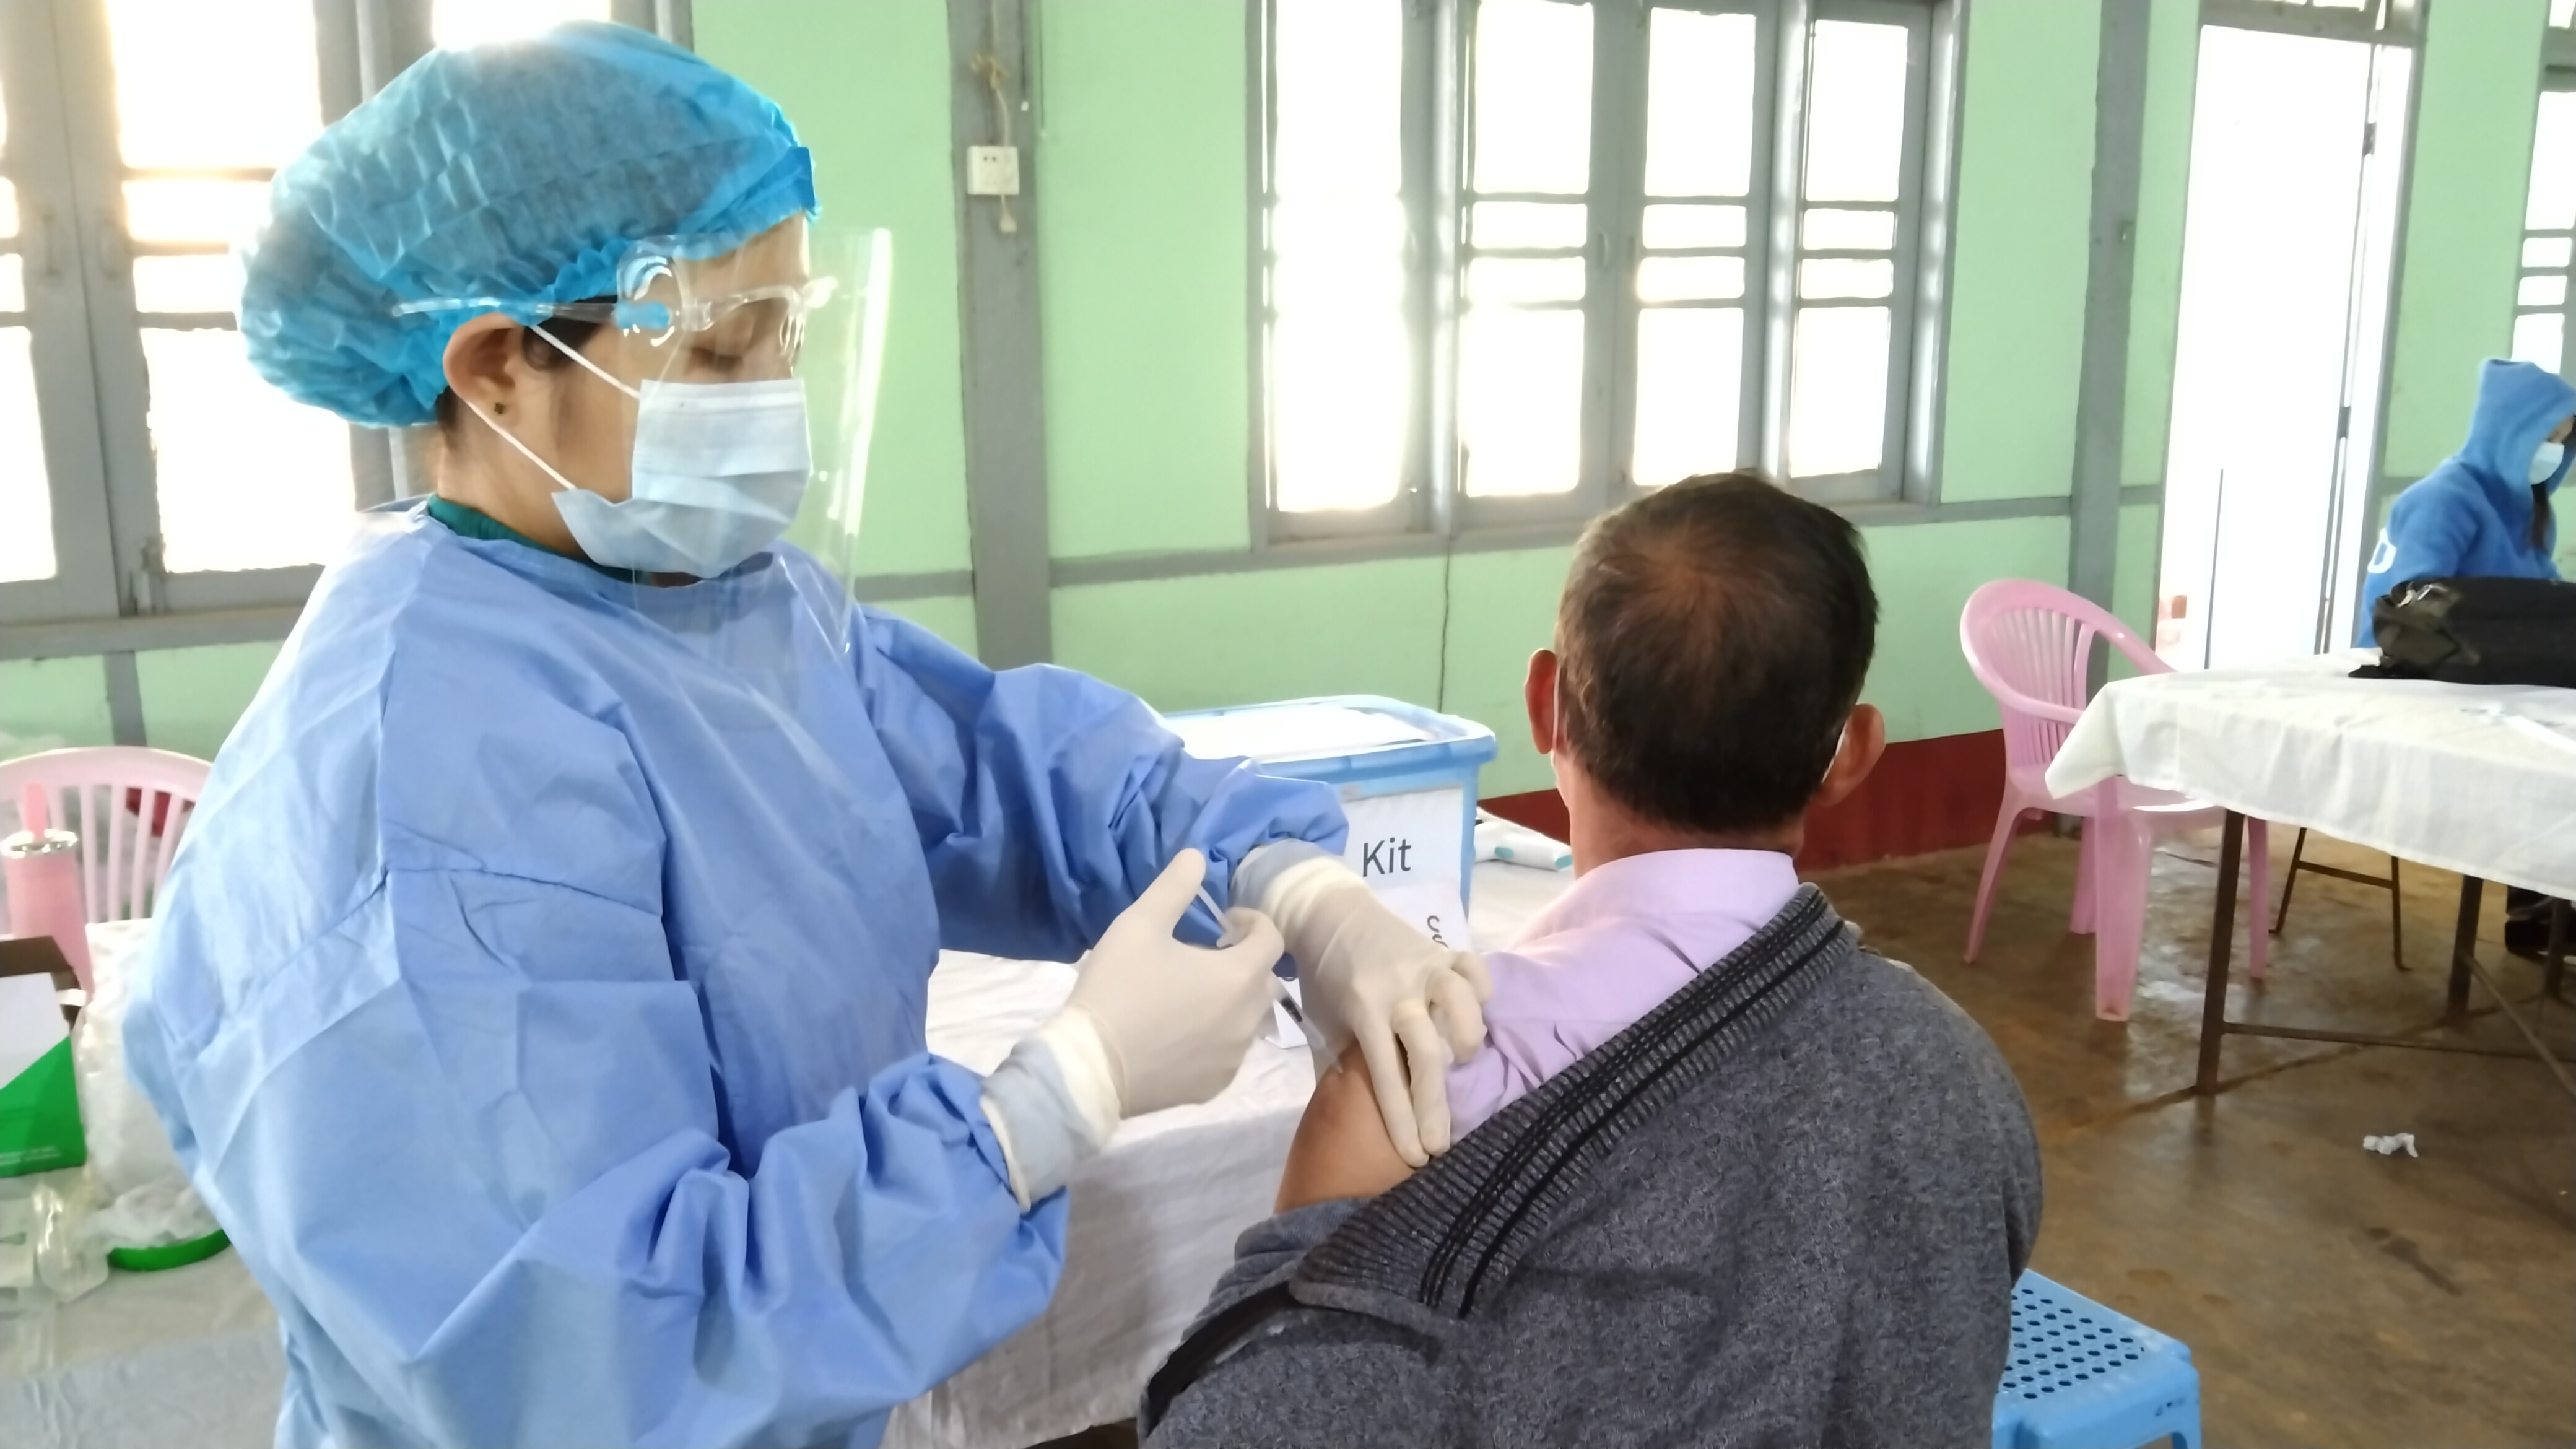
<point x="538" y="998"/>
<point x="2485" y="513"/>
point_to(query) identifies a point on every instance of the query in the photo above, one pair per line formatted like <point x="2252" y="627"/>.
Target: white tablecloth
<point x="191" y="1356"/>
<point x="2479" y="779"/>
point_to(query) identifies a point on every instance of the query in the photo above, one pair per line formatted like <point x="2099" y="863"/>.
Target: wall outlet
<point x="992" y="171"/>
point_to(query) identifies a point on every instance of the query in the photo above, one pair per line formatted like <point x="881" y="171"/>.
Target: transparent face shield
<point x="698" y="445"/>
<point x="720" y="405"/>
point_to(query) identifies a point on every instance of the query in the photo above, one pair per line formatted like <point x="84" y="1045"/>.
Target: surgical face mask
<point x="719" y="471"/>
<point x="2545" y="460"/>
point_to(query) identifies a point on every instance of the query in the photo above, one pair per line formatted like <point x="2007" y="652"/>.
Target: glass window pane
<point x="1525" y="279"/>
<point x="1699" y="104"/>
<point x="8" y="209"/>
<point x="230" y="84"/>
<point x="247" y="479"/>
<point x="1690" y="371"/>
<point x="2552" y="205"/>
<point x="187" y="284"/>
<point x="2562" y="13"/>
<point x="1339" y="398"/>
<point x="13" y="284"/>
<point x="1848" y="231"/>
<point x="186" y="210"/>
<point x="1673" y="228"/>
<point x="1339" y="354"/>
<point x="1509" y="225"/>
<point x="1337" y="254"/>
<point x="27" y="544"/>
<point x="1856" y="111"/>
<point x="2542" y="292"/>
<point x="1838" y="391"/>
<point x="1533" y="118"/>
<point x="1689" y="279"/>
<point x="2546" y="251"/>
<point x="1521" y="400"/>
<point x="2540" y="337"/>
<point x="458" y="23"/>
<point x="1340" y="75"/>
<point x="1820" y="280"/>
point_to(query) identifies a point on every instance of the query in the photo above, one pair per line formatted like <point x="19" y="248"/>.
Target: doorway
<point x="2287" y="249"/>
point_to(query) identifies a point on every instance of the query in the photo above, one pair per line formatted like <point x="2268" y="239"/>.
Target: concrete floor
<point x="2330" y="1296"/>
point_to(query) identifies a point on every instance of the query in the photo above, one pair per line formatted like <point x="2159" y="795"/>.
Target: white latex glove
<point x="1176" y="1019"/>
<point x="1152" y="1023"/>
<point x="1365" y="974"/>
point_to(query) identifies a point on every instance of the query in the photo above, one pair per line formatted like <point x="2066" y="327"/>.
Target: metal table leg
<point x="2222" y="942"/>
<point x="2464" y="951"/>
<point x="2554" y="965"/>
<point x="2215" y="1028"/>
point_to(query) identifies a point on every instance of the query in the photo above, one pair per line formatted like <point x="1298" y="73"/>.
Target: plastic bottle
<point x="43" y="870"/>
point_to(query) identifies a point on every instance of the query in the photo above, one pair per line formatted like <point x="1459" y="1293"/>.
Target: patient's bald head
<point x="1711" y="641"/>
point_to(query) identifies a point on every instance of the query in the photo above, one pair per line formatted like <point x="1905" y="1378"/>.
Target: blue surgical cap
<point x="520" y="170"/>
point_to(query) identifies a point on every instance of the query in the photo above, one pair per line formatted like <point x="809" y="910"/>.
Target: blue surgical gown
<point x="538" y="995"/>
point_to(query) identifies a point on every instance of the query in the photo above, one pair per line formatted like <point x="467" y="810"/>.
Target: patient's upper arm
<point x="1341" y="1149"/>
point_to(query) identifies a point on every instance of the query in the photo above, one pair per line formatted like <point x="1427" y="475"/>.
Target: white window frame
<point x="1437" y="79"/>
<point x="109" y="588"/>
<point x="2559" y="78"/>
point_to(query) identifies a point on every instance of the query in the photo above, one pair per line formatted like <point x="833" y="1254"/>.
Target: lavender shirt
<point x="1627" y="935"/>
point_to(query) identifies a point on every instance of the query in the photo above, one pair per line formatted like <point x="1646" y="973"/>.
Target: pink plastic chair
<point x="2030" y="644"/>
<point x="129" y="805"/>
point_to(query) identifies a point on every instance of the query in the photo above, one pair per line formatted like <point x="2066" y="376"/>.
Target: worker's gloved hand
<point x="1176" y="1019"/>
<point x="1365" y="974"/>
<point x="1152" y="1023"/>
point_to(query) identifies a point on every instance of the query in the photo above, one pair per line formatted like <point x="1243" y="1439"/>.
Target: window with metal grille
<point x="144" y="468"/>
<point x="1521" y="258"/>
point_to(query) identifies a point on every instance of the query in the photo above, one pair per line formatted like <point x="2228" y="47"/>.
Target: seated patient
<point x="1722" y="1175"/>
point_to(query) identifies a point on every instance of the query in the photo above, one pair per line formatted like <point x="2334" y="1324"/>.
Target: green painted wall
<point x="2155" y="286"/>
<point x="1503" y="606"/>
<point x="1143" y="308"/>
<point x="1924" y="577"/>
<point x="1191" y="643"/>
<point x="867" y="88"/>
<point x="2025" y="204"/>
<point x="50" y="703"/>
<point x="952" y="619"/>
<point x="192" y="697"/>
<point x="2479" y="94"/>
<point x="2133" y="590"/>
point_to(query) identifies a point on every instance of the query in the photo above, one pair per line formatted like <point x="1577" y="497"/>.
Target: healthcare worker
<point x="2485" y="511"/>
<point x="538" y="997"/>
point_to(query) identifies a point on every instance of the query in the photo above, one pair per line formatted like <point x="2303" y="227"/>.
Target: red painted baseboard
<point x="1925" y="795"/>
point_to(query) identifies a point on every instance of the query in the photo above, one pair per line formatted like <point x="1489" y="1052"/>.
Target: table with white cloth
<point x="2477" y="779"/>
<point x="191" y="1356"/>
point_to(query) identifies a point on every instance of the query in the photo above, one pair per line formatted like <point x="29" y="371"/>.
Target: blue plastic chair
<point x="2084" y="1377"/>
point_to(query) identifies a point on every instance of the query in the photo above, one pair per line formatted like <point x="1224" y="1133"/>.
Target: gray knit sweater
<point x="1785" y="1208"/>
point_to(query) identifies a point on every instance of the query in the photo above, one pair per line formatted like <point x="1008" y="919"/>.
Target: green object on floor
<point x="168" y="1255"/>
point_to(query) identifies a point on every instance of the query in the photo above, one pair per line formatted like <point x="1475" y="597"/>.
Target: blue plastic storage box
<point x="1395" y="764"/>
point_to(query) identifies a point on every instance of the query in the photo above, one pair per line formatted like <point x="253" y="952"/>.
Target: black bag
<point x="2476" y="631"/>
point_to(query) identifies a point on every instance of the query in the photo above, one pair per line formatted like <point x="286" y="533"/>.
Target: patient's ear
<point x="1538" y="696"/>
<point x="1864" y="740"/>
